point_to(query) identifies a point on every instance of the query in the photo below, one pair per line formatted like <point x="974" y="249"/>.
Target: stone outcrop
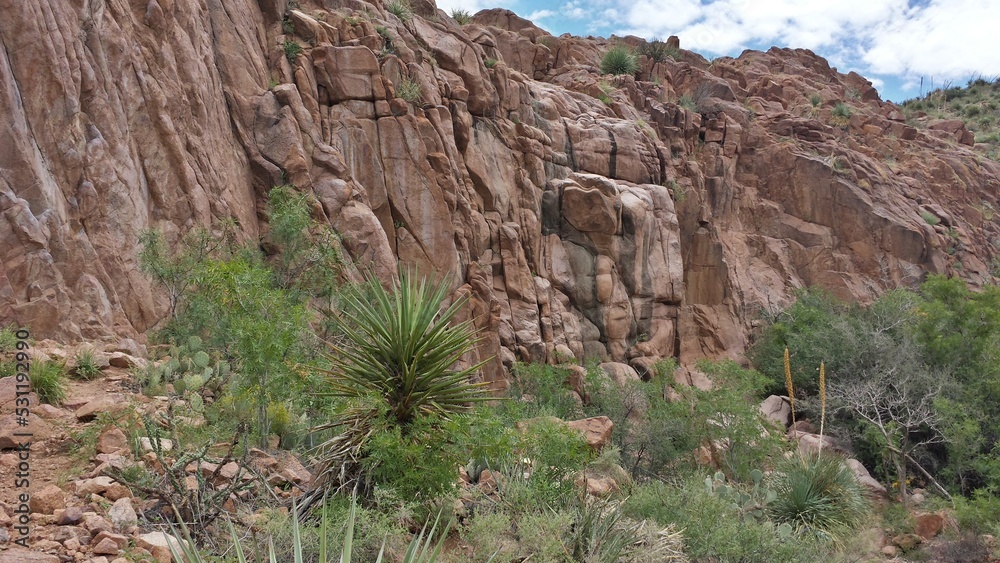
<point x="629" y="229"/>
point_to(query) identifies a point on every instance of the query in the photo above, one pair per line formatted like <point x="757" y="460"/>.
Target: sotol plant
<point x="619" y="60"/>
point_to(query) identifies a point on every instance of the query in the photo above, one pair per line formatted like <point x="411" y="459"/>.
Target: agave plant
<point x="394" y="362"/>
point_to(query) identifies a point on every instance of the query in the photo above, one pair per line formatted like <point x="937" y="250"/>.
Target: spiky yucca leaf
<point x="399" y="345"/>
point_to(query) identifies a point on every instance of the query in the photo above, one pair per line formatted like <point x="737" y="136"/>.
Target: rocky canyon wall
<point x="628" y="219"/>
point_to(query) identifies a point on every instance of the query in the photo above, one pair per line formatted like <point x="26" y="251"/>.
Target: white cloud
<point x="473" y="6"/>
<point x="539" y="15"/>
<point x="947" y="39"/>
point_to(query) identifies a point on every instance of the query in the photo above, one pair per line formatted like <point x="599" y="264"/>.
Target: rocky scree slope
<point x="658" y="222"/>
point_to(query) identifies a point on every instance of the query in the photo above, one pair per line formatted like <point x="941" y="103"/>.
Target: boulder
<point x="19" y="555"/>
<point x="867" y="481"/>
<point x="126" y="361"/>
<point x="122" y="515"/>
<point x="595" y="430"/>
<point x="11" y="425"/>
<point x="93" y="407"/>
<point x="928" y="525"/>
<point x="130" y="347"/>
<point x="111" y="441"/>
<point x="68" y="517"/>
<point x="907" y="542"/>
<point x="777" y="409"/>
<point x="158" y="544"/>
<point x="621" y="374"/>
<point x="47" y="500"/>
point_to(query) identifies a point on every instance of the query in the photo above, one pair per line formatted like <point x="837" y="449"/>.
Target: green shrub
<point x="929" y="218"/>
<point x="728" y="414"/>
<point x="85" y="364"/>
<point x="815" y="100"/>
<point x="712" y="527"/>
<point x="401" y="9"/>
<point x="417" y="464"/>
<point x="489" y="533"/>
<point x="490" y="63"/>
<point x="292" y="50"/>
<point x="541" y="535"/>
<point x="463" y="17"/>
<point x="295" y="542"/>
<point x="542" y="390"/>
<point x="658" y="51"/>
<point x="619" y="60"/>
<point x="241" y="307"/>
<point x="842" y="111"/>
<point x="979" y="514"/>
<point x="819" y="495"/>
<point x="8" y="339"/>
<point x="409" y="90"/>
<point x="48" y="380"/>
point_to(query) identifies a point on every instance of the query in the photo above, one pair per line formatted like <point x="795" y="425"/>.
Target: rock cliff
<point x="626" y="218"/>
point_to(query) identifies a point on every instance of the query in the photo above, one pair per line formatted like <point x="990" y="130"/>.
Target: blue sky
<point x="891" y="42"/>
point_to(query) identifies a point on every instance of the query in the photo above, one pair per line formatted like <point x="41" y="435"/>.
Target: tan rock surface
<point x="635" y="229"/>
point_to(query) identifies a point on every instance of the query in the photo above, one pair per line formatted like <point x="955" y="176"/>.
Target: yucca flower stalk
<point x="822" y="405"/>
<point x="789" y="387"/>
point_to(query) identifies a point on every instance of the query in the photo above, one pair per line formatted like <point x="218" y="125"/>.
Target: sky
<point x="893" y="43"/>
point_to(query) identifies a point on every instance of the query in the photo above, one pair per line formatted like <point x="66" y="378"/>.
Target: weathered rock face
<point x="628" y="231"/>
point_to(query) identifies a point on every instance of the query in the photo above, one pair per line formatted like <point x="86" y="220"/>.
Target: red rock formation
<point x="628" y="231"/>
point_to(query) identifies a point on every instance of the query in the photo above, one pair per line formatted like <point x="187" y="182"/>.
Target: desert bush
<point x="658" y="51"/>
<point x="712" y="527"/>
<point x="409" y="90"/>
<point x="48" y="380"/>
<point x="295" y="542"/>
<point x="292" y="50"/>
<point x="8" y="340"/>
<point x="85" y="364"/>
<point x="980" y="513"/>
<point x="542" y="390"/>
<point x="725" y="423"/>
<point x="248" y="312"/>
<point x="842" y="111"/>
<point x="649" y="432"/>
<point x="619" y="60"/>
<point x="489" y="532"/>
<point x="463" y="17"/>
<point x="401" y="9"/>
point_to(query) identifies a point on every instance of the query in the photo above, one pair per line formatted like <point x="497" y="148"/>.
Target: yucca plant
<point x="818" y="494"/>
<point x="394" y="363"/>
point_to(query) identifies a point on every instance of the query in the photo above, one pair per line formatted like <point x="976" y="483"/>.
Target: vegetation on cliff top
<point x="977" y="104"/>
